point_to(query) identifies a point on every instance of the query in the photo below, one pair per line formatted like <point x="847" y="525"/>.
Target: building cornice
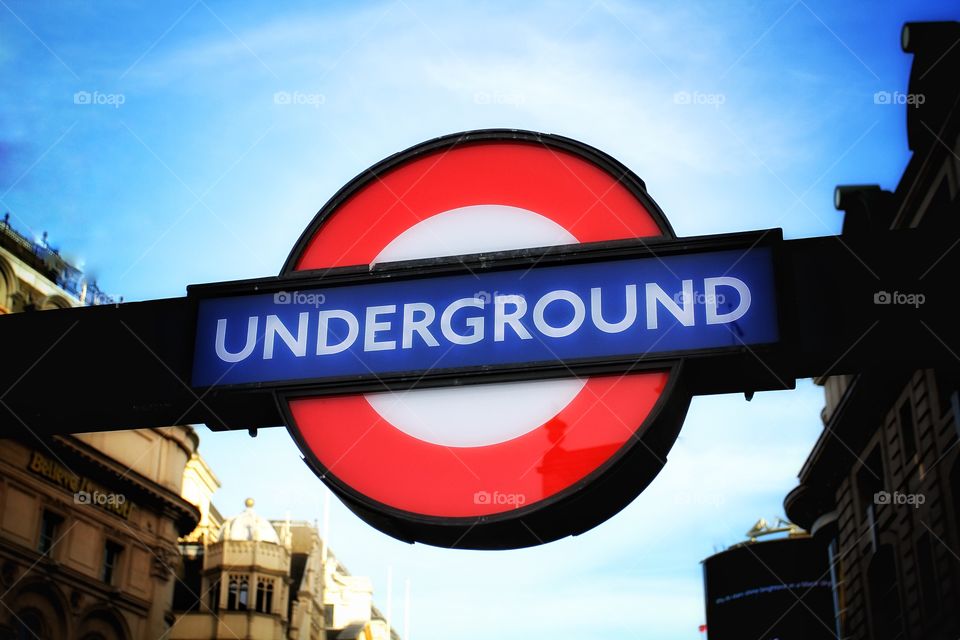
<point x="837" y="450"/>
<point x="142" y="490"/>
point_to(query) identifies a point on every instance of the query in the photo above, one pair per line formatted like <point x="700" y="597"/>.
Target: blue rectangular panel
<point x="626" y="307"/>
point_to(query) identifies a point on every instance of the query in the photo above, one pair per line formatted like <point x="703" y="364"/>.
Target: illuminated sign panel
<point x="614" y="308"/>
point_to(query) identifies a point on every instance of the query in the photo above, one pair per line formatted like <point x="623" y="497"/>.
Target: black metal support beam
<point x="112" y="367"/>
<point x="129" y="365"/>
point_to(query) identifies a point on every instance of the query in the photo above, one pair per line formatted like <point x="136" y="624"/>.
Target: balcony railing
<point x="48" y="261"/>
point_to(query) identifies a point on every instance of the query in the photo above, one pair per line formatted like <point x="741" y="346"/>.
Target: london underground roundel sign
<point x="505" y="463"/>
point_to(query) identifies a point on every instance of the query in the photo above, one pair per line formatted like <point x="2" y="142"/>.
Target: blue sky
<point x="185" y="169"/>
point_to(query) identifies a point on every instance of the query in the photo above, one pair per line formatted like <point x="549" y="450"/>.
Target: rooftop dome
<point x="248" y="526"/>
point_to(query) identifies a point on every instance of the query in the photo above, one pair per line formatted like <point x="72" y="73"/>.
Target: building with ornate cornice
<point x="114" y="535"/>
<point x="89" y="524"/>
<point x="88" y="533"/>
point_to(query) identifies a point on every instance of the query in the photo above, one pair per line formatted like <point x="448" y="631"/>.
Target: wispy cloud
<point x="727" y="110"/>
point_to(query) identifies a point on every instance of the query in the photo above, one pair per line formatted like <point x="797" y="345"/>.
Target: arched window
<point x="29" y="625"/>
<point x="36" y="611"/>
<point x="55" y="302"/>
<point x="261" y="594"/>
<point x="237" y="593"/>
<point x="243" y="599"/>
<point x="7" y="287"/>
<point x="4" y="293"/>
<point x="102" y="624"/>
<point x="264" y="595"/>
<point x="232" y="593"/>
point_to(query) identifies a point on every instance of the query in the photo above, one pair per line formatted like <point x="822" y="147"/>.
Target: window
<point x="927" y="570"/>
<point x="884" y="592"/>
<point x="264" y="596"/>
<point x="4" y="291"/>
<point x="243" y="599"/>
<point x="111" y="559"/>
<point x="29" y="625"/>
<point x="215" y="595"/>
<point x="908" y="433"/>
<point x="870" y="491"/>
<point x="946" y="383"/>
<point x="237" y="594"/>
<point x="328" y="616"/>
<point x="837" y="585"/>
<point x="49" y="526"/>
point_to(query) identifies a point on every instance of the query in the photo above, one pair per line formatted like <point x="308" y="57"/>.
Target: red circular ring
<point x="355" y="445"/>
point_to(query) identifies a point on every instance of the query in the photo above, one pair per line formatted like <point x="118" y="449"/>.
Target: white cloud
<point x="392" y="77"/>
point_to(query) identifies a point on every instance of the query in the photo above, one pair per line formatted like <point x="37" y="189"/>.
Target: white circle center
<point x="482" y="414"/>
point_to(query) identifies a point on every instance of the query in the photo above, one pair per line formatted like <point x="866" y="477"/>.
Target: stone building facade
<point x="270" y="580"/>
<point x="89" y="523"/>
<point x="88" y="542"/>
<point x="114" y="535"/>
<point x="881" y="487"/>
